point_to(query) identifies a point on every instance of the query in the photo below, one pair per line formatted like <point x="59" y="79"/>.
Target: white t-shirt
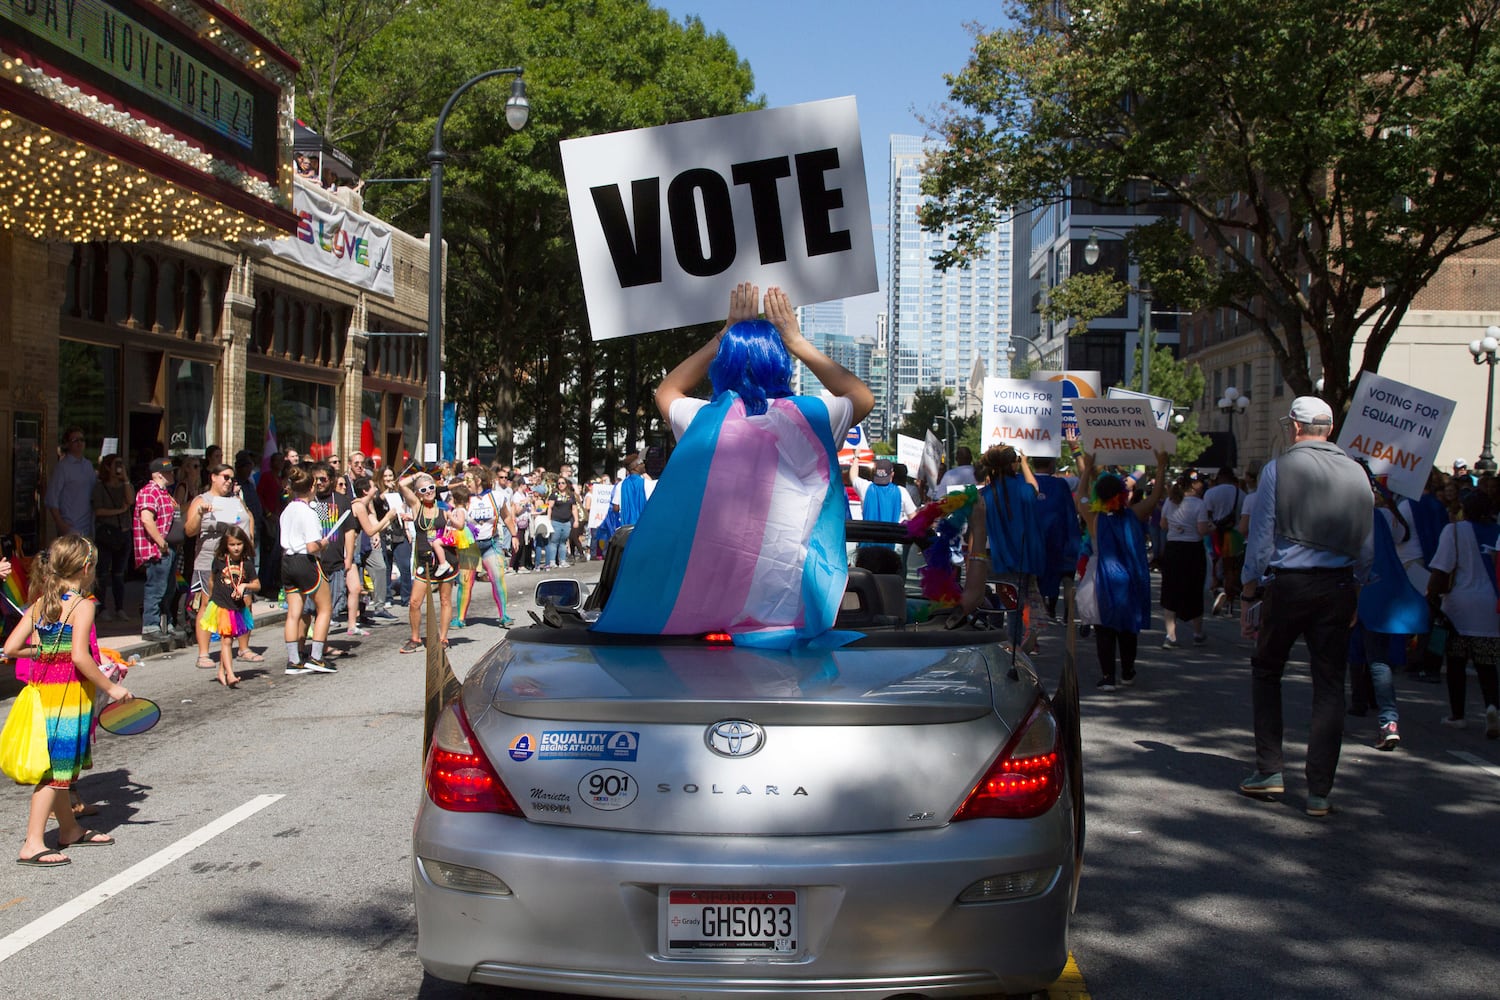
<point x="1409" y="549"/>
<point x="1471" y="602"/>
<point x="957" y="478"/>
<point x="1219" y="501"/>
<point x="840" y="417"/>
<point x="1247" y="510"/>
<point x="299" y="526"/>
<point x="1181" y="519"/>
<point x="482" y="517"/>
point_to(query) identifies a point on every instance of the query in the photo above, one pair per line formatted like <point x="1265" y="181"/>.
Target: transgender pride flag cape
<point x="744" y="532"/>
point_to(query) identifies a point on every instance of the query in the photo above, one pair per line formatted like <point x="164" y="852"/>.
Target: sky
<point x="891" y="56"/>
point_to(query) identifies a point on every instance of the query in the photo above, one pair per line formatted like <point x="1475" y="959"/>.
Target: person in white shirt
<point x="1184" y="563"/>
<point x="1222" y="505"/>
<point x="881" y="476"/>
<point x="962" y="473"/>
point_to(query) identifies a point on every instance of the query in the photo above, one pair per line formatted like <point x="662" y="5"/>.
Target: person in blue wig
<point x="1122" y="581"/>
<point x="744" y="532"/>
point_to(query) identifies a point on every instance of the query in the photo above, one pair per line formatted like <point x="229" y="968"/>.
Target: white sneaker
<point x="293" y="669"/>
<point x="1492" y="722"/>
<point x="1453" y="723"/>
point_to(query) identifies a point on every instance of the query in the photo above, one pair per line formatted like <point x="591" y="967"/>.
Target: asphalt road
<point x="264" y="839"/>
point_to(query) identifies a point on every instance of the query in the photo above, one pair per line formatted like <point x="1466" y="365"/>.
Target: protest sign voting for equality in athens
<point x="1120" y="431"/>
<point x="669" y="219"/>
<point x="1161" y="407"/>
<point x="1397" y="429"/>
<point x="1027" y="415"/>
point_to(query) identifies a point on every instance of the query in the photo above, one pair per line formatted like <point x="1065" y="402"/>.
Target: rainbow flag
<point x="16" y="586"/>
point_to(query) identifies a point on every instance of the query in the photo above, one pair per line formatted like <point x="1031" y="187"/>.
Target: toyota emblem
<point x="734" y="738"/>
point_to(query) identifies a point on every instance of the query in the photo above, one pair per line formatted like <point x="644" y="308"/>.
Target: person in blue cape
<point x="632" y="493"/>
<point x="1390" y="611"/>
<point x="1057" y="519"/>
<point x="1015" y="539"/>
<point x="744" y="533"/>
<point x="1122" y="580"/>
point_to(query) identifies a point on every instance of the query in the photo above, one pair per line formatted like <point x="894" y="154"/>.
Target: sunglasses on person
<point x="320" y="479"/>
<point x="427" y="489"/>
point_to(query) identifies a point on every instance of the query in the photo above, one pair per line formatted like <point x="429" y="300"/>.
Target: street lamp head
<point x="1490" y="344"/>
<point x="1224" y="402"/>
<point x="1475" y="349"/>
<point x="1231" y="394"/>
<point x="518" y="108"/>
<point x="1242" y="403"/>
<point x="1091" y="248"/>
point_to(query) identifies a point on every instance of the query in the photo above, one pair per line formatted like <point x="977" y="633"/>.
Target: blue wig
<point x="753" y="362"/>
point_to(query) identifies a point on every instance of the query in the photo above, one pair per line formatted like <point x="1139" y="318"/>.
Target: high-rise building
<point x="822" y="323"/>
<point x="939" y="322"/>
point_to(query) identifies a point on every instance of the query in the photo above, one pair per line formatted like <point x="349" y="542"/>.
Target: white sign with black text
<point x="1027" y="415"/>
<point x="1120" y="431"/>
<point x="1397" y="429"/>
<point x="668" y="219"/>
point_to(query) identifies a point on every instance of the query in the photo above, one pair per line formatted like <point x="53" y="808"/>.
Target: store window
<point x="411" y="427"/>
<point x="88" y="392"/>
<point x="303" y="413"/>
<point x="190" y="406"/>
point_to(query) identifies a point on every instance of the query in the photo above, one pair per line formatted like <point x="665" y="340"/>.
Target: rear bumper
<point x="879" y="912"/>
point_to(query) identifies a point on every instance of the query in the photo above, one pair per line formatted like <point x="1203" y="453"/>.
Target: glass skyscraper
<point x="939" y="322"/>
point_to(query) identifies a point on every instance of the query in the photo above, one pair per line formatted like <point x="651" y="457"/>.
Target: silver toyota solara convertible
<point x="680" y="817"/>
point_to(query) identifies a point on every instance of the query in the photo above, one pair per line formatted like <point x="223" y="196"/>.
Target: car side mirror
<point x="564" y="594"/>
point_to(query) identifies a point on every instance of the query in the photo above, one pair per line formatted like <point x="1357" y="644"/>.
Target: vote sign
<point x="668" y="219"/>
<point x="1023" y="414"/>
<point x="1120" y="431"/>
<point x="1397" y="429"/>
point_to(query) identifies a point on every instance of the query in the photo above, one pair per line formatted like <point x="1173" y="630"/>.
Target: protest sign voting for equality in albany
<point x="668" y="219"/>
<point x="1027" y="415"/>
<point x="1120" y="431"/>
<point x="1397" y="429"/>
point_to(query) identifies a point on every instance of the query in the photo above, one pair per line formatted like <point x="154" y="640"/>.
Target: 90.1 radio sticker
<point x="607" y="789"/>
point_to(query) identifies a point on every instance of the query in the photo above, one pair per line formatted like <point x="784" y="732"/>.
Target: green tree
<point x="516" y="345"/>
<point x="1182" y="383"/>
<point x="1328" y="155"/>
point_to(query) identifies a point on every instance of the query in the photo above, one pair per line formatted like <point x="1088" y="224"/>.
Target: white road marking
<point x="82" y="903"/>
<point x="1477" y="761"/>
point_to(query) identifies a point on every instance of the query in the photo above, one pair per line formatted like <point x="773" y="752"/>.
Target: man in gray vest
<point x="1310" y="541"/>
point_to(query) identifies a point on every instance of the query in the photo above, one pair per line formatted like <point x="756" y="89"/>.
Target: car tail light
<point x="718" y="639"/>
<point x="1026" y="779"/>
<point x="460" y="777"/>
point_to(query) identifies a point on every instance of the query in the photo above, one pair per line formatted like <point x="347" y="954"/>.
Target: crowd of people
<point x="208" y="536"/>
<point x="1307" y="546"/>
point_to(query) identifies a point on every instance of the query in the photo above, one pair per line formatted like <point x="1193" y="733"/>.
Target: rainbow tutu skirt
<point x="225" y="621"/>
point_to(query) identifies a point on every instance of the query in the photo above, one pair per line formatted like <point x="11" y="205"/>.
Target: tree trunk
<point x="585" y="406"/>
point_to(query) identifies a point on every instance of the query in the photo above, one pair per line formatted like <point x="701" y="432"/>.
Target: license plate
<point x="730" y="923"/>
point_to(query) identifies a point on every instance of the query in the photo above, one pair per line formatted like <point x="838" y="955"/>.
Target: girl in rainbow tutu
<point x="227" y="611"/>
<point x="54" y="633"/>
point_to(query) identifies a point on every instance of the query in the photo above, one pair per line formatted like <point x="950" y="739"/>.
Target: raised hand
<point x="744" y="303"/>
<point x="781" y="314"/>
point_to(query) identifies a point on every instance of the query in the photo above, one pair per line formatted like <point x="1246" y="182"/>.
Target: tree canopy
<point x="517" y="347"/>
<point x="1325" y="157"/>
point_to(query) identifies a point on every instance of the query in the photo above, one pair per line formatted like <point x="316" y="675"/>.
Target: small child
<point x="228" y="609"/>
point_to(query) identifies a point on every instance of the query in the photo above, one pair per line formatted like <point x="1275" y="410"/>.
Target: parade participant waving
<point x="745" y="531"/>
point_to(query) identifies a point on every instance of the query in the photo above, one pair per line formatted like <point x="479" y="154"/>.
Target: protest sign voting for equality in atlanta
<point x="1397" y="429"/>
<point x="1120" y="431"/>
<point x="1027" y="415"/>
<point x="668" y="219"/>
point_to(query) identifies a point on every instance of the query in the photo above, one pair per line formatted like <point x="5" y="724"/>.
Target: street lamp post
<point x="1091" y="257"/>
<point x="517" y="111"/>
<point x="1485" y="353"/>
<point x="1233" y="401"/>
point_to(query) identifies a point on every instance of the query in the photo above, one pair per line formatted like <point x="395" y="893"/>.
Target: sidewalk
<point x="125" y="637"/>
